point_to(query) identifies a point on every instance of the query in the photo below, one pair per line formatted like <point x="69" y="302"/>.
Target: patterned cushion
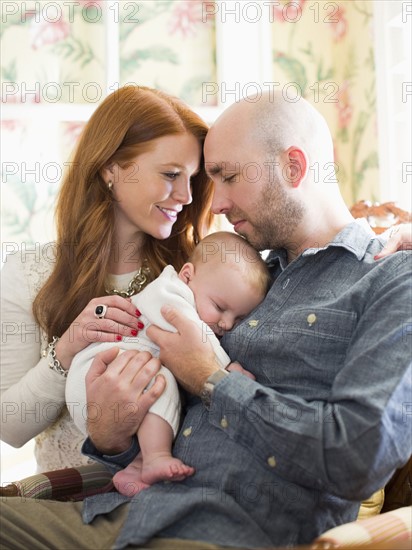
<point x="392" y="526"/>
<point x="67" y="484"/>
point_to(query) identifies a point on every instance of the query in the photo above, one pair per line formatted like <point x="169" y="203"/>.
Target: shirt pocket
<point x="312" y="343"/>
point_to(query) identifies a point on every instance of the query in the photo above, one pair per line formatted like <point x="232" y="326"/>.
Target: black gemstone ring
<point x="100" y="311"/>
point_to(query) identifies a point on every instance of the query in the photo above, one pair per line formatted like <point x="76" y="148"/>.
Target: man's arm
<point x="348" y="444"/>
<point x="187" y="352"/>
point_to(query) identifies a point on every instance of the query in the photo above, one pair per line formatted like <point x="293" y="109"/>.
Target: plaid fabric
<point x="67" y="484"/>
<point x="391" y="526"/>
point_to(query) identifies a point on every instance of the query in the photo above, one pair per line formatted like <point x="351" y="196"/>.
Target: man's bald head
<point x="270" y="162"/>
<point x="275" y="124"/>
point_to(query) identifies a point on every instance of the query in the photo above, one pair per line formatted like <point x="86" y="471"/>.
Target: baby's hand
<point x="237" y="367"/>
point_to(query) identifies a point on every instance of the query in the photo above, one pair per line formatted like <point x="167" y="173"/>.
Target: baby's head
<point x="228" y="279"/>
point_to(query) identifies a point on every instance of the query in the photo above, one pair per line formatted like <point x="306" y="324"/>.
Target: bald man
<point x="271" y="182"/>
<point x="282" y="458"/>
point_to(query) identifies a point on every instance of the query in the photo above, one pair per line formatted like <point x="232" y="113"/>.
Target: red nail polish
<point x="119" y="338"/>
<point x="138" y="314"/>
<point x="376" y="257"/>
<point x="140" y="325"/>
<point x="134" y="332"/>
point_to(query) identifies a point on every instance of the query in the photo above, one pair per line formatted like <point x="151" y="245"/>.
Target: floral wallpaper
<point x="172" y="48"/>
<point x="327" y="49"/>
<point x="54" y="54"/>
<point x="54" y="62"/>
<point x="54" y="49"/>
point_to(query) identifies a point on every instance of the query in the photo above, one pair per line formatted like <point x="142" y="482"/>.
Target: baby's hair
<point x="224" y="247"/>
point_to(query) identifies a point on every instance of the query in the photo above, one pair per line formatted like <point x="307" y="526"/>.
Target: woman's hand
<point x="186" y="353"/>
<point x="400" y="238"/>
<point x="120" y="319"/>
<point x="116" y="398"/>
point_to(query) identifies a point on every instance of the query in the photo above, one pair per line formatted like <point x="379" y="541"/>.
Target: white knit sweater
<point x="32" y="395"/>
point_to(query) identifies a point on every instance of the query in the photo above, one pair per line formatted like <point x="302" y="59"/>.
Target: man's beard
<point x="273" y="218"/>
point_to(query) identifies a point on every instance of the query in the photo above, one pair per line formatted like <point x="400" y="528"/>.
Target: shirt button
<point x="272" y="461"/>
<point x="253" y="323"/>
<point x="311" y="319"/>
<point x="285" y="284"/>
<point x="224" y="423"/>
<point x="187" y="431"/>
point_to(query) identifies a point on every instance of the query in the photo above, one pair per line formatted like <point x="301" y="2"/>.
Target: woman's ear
<point x="297" y="166"/>
<point x="187" y="272"/>
<point x="108" y="174"/>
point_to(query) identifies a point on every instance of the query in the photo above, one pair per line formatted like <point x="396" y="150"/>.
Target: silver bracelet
<point x="54" y="363"/>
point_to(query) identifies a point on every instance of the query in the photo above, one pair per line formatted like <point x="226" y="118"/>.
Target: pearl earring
<point x="110" y="185"/>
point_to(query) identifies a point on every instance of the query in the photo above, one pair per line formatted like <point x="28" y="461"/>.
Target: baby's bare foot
<point x="164" y="468"/>
<point x="129" y="481"/>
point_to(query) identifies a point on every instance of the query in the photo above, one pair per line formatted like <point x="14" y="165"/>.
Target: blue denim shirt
<point x="281" y="459"/>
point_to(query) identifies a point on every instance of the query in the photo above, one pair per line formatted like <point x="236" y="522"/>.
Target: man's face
<point x="250" y="190"/>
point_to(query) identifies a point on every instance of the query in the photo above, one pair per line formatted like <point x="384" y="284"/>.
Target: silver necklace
<point x="137" y="284"/>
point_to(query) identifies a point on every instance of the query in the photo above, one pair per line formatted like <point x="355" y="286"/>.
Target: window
<point x="393" y="46"/>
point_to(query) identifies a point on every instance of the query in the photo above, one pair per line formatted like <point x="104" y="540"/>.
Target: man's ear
<point x="296" y="167"/>
<point x="187" y="272"/>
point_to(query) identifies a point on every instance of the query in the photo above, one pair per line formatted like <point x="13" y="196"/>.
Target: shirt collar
<point x="354" y="237"/>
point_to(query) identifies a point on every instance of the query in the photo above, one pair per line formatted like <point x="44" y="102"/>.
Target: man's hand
<point x="187" y="353"/>
<point x="116" y="399"/>
<point x="400" y="238"/>
<point x="237" y="367"/>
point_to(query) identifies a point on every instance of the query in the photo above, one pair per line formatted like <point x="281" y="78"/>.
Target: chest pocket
<point x="306" y="346"/>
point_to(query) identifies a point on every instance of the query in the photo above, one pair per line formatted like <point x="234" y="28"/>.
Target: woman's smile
<point x="170" y="214"/>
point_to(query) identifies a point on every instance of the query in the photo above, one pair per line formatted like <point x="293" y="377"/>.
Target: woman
<point x="136" y="198"/>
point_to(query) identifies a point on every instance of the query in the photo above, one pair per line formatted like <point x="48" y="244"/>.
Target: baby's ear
<point x="187" y="272"/>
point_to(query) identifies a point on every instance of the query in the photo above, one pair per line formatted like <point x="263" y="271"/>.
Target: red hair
<point x="117" y="132"/>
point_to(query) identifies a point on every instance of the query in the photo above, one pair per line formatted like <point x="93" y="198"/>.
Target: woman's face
<point x="152" y="191"/>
